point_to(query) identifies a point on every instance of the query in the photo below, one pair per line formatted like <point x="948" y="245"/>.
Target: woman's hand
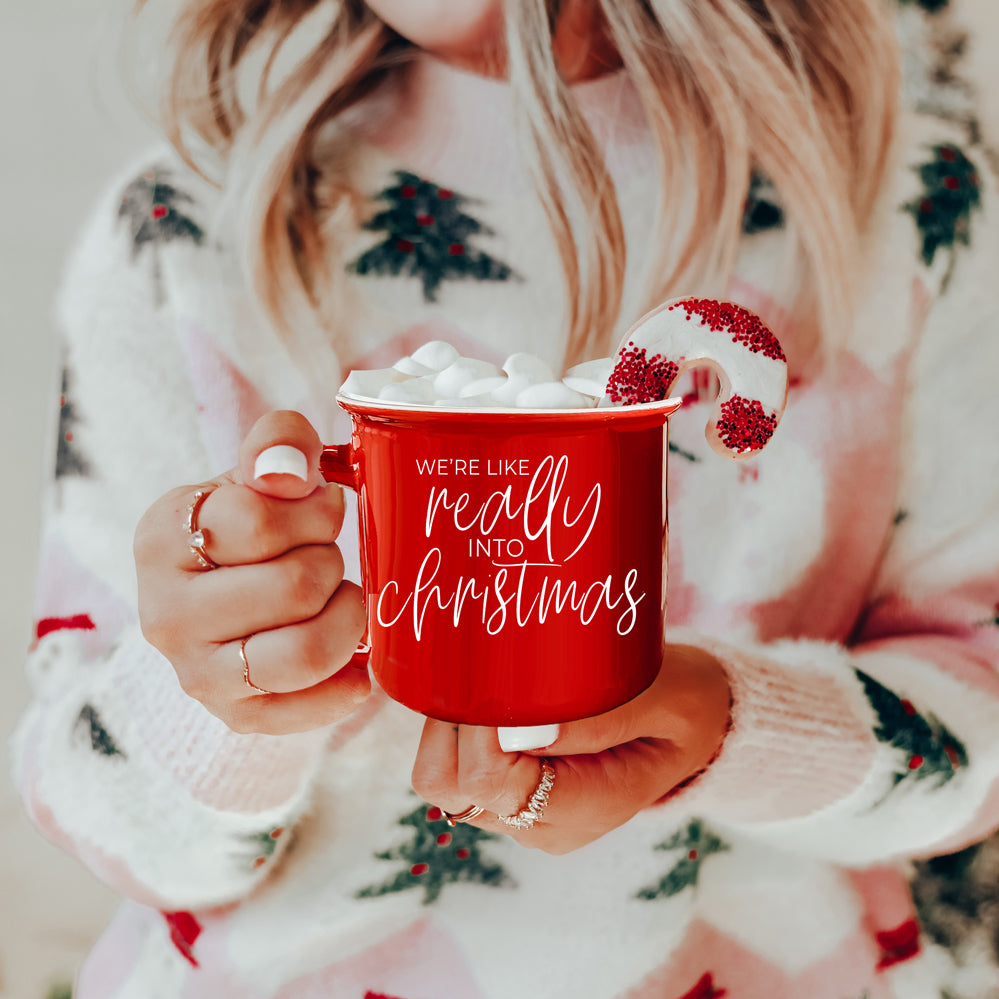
<point x="277" y="592"/>
<point x="607" y="768"/>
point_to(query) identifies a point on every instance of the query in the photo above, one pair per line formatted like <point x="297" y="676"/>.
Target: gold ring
<point x="246" y="668"/>
<point x="537" y="802"/>
<point x="196" y="539"/>
<point x="472" y="812"/>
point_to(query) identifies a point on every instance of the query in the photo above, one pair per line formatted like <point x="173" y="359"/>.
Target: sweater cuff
<point x="799" y="739"/>
<point x="221" y="768"/>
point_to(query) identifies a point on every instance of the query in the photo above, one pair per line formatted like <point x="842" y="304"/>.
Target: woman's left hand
<point x="607" y="768"/>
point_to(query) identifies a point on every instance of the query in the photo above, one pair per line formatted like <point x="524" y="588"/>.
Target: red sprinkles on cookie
<point x="745" y="425"/>
<point x="745" y="327"/>
<point x="637" y="378"/>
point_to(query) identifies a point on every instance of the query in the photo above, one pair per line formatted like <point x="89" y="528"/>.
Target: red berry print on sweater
<point x="184" y="932"/>
<point x="705" y="989"/>
<point x="899" y="944"/>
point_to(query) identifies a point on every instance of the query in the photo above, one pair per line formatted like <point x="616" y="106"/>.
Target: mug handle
<point x="336" y="464"/>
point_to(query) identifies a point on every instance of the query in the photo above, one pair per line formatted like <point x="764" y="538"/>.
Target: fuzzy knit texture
<point x="848" y="579"/>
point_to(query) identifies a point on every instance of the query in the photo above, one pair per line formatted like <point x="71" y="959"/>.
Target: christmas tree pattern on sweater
<point x="70" y="460"/>
<point x="437" y="855"/>
<point x="695" y="843"/>
<point x="90" y="724"/>
<point x="928" y="749"/>
<point x="944" y="208"/>
<point x="156" y="212"/>
<point x="427" y="236"/>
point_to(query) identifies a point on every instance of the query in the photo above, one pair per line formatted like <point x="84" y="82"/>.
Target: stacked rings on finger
<point x="246" y="668"/>
<point x="196" y="539"/>
<point x="472" y="812"/>
<point x="533" y="811"/>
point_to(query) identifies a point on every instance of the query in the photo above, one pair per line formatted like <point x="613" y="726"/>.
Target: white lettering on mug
<point x="473" y="466"/>
<point x="508" y="583"/>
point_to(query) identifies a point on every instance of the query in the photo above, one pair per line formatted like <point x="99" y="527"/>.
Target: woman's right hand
<point x="278" y="584"/>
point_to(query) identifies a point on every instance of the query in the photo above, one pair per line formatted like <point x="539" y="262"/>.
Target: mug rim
<point x="377" y="407"/>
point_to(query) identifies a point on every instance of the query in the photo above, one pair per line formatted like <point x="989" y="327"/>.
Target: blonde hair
<point x="803" y="92"/>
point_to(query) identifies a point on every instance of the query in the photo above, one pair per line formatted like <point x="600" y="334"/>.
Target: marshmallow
<point x="482" y="386"/>
<point x="482" y="401"/>
<point x="416" y="390"/>
<point x="368" y="384"/>
<point x="407" y="366"/>
<point x="552" y="395"/>
<point x="590" y="377"/>
<point x="529" y="368"/>
<point x="506" y="395"/>
<point x="525" y="382"/>
<point x="435" y="355"/>
<point x="449" y="382"/>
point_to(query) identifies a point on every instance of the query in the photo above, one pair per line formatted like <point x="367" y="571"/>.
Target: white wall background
<point x="67" y="125"/>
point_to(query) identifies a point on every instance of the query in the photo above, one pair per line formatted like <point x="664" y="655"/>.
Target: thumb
<point x="595" y="734"/>
<point x="280" y="456"/>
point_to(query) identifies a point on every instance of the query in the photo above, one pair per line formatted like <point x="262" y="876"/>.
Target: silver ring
<point x="196" y="539"/>
<point x="246" y="668"/>
<point x="537" y="803"/>
<point x="472" y="812"/>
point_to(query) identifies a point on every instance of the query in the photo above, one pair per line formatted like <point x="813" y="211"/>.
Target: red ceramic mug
<point x="513" y="561"/>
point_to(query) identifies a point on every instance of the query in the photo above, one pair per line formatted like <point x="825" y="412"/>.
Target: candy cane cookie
<point x="688" y="332"/>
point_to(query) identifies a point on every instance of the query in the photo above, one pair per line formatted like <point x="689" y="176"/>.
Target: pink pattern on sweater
<point x="423" y="952"/>
<point x="228" y="403"/>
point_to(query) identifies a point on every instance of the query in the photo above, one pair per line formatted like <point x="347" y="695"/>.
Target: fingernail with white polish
<point x="282" y="459"/>
<point x="523" y="737"/>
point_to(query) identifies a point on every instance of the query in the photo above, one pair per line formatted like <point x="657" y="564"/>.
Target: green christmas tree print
<point x="696" y="843"/>
<point x="263" y="845"/>
<point x="255" y="849"/>
<point x="427" y="237"/>
<point x="437" y="855"/>
<point x="89" y="723"/>
<point x="156" y="214"/>
<point x="154" y="209"/>
<point x="928" y="749"/>
<point x="943" y="210"/>
<point x="69" y="458"/>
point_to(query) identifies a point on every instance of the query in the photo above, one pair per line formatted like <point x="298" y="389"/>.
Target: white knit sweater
<point x="847" y="579"/>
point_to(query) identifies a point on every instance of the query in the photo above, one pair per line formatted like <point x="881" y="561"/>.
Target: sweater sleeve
<point x="114" y="761"/>
<point x="886" y="745"/>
